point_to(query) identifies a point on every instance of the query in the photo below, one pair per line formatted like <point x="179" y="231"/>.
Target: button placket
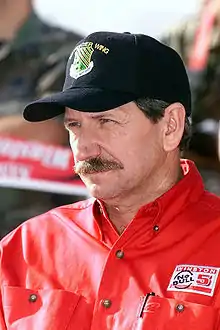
<point x="105" y="296"/>
<point x="155" y="211"/>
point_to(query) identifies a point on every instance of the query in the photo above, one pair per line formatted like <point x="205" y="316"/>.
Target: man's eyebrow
<point x="99" y="115"/>
<point x="68" y="120"/>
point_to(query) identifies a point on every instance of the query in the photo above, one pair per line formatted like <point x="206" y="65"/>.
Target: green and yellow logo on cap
<point x="82" y="63"/>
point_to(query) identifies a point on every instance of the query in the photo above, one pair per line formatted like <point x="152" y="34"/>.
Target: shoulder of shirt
<point x="45" y="35"/>
<point x="81" y="205"/>
<point x="48" y="32"/>
<point x="60" y="215"/>
<point x="184" y="25"/>
<point x="210" y="201"/>
<point x="183" y="31"/>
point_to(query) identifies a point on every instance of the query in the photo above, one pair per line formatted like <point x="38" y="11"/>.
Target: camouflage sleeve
<point x="34" y="67"/>
<point x="52" y="71"/>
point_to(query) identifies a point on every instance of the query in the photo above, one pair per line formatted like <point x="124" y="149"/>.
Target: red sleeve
<point x="2" y="322"/>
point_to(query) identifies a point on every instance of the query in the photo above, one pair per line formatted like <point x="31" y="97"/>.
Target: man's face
<point x="3" y="3"/>
<point x="116" y="152"/>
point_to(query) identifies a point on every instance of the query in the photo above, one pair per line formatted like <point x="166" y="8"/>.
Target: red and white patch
<point x="195" y="279"/>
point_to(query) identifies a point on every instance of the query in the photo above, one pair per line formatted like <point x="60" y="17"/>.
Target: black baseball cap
<point x="108" y="69"/>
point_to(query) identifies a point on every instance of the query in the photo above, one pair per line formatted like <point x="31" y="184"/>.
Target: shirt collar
<point x="188" y="190"/>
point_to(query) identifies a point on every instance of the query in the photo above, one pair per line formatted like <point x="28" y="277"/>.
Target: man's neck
<point x="123" y="210"/>
<point x="12" y="16"/>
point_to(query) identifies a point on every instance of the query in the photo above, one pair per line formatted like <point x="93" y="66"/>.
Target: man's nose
<point x="84" y="148"/>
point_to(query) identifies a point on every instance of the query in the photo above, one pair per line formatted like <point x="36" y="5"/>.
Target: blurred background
<point x="36" y="38"/>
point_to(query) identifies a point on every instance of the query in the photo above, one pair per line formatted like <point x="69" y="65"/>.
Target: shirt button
<point x="33" y="298"/>
<point x="106" y="303"/>
<point x="119" y="254"/>
<point x="156" y="228"/>
<point x="180" y="308"/>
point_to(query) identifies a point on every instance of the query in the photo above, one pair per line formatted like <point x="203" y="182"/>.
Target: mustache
<point x="95" y="165"/>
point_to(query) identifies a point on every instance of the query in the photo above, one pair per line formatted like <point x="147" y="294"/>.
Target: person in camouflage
<point x="205" y="83"/>
<point x="32" y="63"/>
<point x="33" y="56"/>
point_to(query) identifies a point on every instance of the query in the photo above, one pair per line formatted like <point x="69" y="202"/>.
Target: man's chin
<point x="100" y="184"/>
<point x="99" y="191"/>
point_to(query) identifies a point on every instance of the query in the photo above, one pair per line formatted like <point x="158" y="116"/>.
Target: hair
<point x="154" y="110"/>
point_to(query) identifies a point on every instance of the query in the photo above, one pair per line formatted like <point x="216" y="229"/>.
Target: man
<point x="33" y="55"/>
<point x="32" y="62"/>
<point x="141" y="253"/>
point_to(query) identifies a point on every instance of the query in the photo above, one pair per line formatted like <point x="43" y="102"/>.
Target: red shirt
<point x="69" y="269"/>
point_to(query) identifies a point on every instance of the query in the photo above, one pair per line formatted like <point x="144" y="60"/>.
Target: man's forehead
<point x="113" y="112"/>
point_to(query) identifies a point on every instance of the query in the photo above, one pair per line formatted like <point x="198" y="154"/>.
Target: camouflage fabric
<point x="33" y="64"/>
<point x="205" y="84"/>
<point x="205" y="87"/>
<point x="181" y="37"/>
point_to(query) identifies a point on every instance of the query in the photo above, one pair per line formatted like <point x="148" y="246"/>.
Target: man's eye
<point x="73" y="124"/>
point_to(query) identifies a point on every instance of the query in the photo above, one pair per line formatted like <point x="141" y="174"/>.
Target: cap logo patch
<point x="82" y="63"/>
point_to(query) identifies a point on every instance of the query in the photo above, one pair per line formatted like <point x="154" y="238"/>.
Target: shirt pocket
<point x="170" y="314"/>
<point x="38" y="310"/>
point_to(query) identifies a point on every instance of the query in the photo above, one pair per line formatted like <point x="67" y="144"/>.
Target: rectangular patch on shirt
<point x="195" y="279"/>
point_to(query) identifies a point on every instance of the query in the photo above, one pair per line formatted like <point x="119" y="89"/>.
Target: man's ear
<point x="174" y="122"/>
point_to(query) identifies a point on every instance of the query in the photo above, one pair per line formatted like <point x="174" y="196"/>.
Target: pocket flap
<point x="38" y="309"/>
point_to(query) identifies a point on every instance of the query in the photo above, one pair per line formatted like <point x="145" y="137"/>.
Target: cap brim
<point x="81" y="99"/>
